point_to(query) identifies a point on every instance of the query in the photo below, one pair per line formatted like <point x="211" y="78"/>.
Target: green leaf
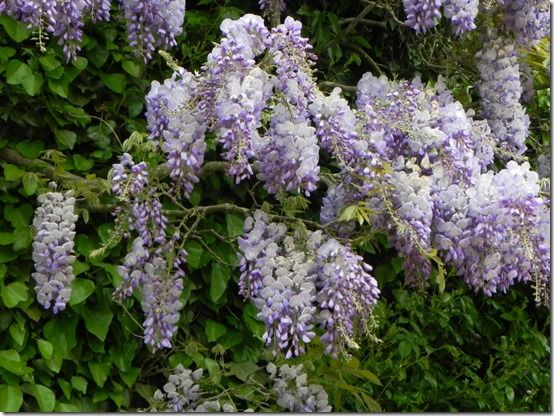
<point x="97" y="320"/>
<point x="115" y="82"/>
<point x="14" y="293"/>
<point x="19" y="216"/>
<point x="18" y="31"/>
<point x="372" y="405"/>
<point x="194" y="250"/>
<point x="17" y="332"/>
<point x="79" y="383"/>
<point x="99" y="371"/>
<point x="6" y="53"/>
<point x="11" y="361"/>
<point x="60" y="88"/>
<point x="230" y="339"/>
<point x="132" y="68"/>
<point x="68" y="407"/>
<point x="23" y="237"/>
<point x="19" y="73"/>
<point x="7" y="255"/>
<point x="80" y="290"/>
<point x="82" y="163"/>
<point x="218" y="280"/>
<point x="65" y="139"/>
<point x="66" y="388"/>
<point x="61" y="332"/>
<point x="30" y="148"/>
<point x="46" y="398"/>
<point x="130" y="376"/>
<point x="46" y="348"/>
<point x="30" y="183"/>
<point x="235" y="225"/>
<point x="6" y="239"/>
<point x="80" y="62"/>
<point x="214" y="330"/>
<point x="242" y="370"/>
<point x="11" y="398"/>
<point x="249" y="317"/>
<point x="12" y="172"/>
<point x="404" y="349"/>
<point x="49" y="62"/>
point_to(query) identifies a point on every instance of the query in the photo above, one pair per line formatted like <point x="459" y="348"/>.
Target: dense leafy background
<point x="439" y="352"/>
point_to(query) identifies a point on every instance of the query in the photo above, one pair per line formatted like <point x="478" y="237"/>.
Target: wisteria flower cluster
<point x="442" y="194"/>
<point x="302" y="286"/>
<point x="150" y="24"/>
<point x="230" y="97"/>
<point x="500" y="92"/>
<point x="53" y="255"/>
<point x="154" y="264"/>
<point x="425" y="14"/>
<point x="294" y="394"/>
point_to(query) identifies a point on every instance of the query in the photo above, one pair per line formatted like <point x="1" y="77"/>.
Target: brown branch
<point x="365" y="56"/>
<point x="12" y="156"/>
<point x="328" y="84"/>
<point x="368" y="22"/>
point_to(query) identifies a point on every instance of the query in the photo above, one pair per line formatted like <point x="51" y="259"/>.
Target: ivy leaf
<point x="218" y="280"/>
<point x="132" y="68"/>
<point x="115" y="82"/>
<point x="65" y="139"/>
<point x="12" y="172"/>
<point x="214" y="330"/>
<point x="18" y="31"/>
<point x="79" y="383"/>
<point x="242" y="370"/>
<point x="235" y="225"/>
<point x="19" y="216"/>
<point x="46" y="398"/>
<point x="61" y="332"/>
<point x="14" y="293"/>
<point x="99" y="371"/>
<point x="46" y="348"/>
<point x="194" y="250"/>
<point x="80" y="290"/>
<point x="30" y="148"/>
<point x="11" y="398"/>
<point x="97" y="321"/>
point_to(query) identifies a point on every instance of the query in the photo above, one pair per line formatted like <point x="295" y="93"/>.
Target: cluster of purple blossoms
<point x="424" y="14"/>
<point x="54" y="223"/>
<point x="529" y="20"/>
<point x="150" y="24"/>
<point x="346" y="293"/>
<point x="181" y="392"/>
<point x="258" y="245"/>
<point x="173" y="119"/>
<point x="506" y="240"/>
<point x="294" y="394"/>
<point x="301" y="283"/>
<point x="336" y="127"/>
<point x="139" y="203"/>
<point x="412" y="215"/>
<point x="153" y="23"/>
<point x="288" y="155"/>
<point x="154" y="264"/>
<point x="269" y="5"/>
<point x="500" y="91"/>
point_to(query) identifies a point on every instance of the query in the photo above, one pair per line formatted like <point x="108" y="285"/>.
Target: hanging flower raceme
<point x="304" y="283"/>
<point x="54" y="223"/>
<point x="529" y="20"/>
<point x="150" y="24"/>
<point x="174" y="120"/>
<point x="425" y="14"/>
<point x="294" y="394"/>
<point x="500" y="91"/>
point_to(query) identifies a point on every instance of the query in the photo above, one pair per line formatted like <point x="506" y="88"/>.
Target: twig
<point x="366" y="22"/>
<point x="366" y="56"/>
<point x="329" y="84"/>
